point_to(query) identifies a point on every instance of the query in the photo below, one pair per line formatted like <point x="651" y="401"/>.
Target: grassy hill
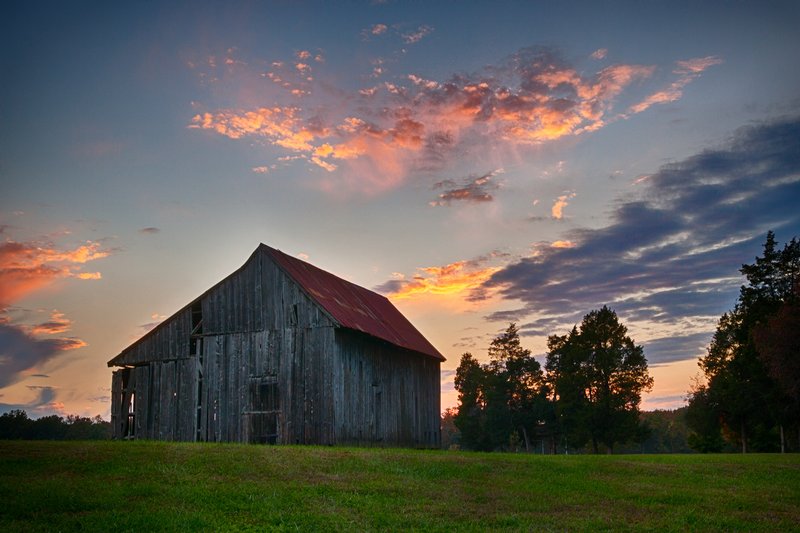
<point x="149" y="486"/>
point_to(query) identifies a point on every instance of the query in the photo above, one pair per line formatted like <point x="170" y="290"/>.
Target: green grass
<point x="151" y="486"/>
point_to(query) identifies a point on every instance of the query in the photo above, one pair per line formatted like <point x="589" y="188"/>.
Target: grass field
<point x="147" y="486"/>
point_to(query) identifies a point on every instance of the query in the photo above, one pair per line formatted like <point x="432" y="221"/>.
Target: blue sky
<point x="477" y="163"/>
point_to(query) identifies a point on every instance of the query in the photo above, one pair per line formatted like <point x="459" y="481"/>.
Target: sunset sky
<point x="476" y="162"/>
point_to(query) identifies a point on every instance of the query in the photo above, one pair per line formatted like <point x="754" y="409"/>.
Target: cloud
<point x="149" y="230"/>
<point x="460" y="278"/>
<point x="20" y="352"/>
<point x="29" y="266"/>
<point x="58" y="323"/>
<point x="378" y="29"/>
<point x="370" y="139"/>
<point x="671" y="256"/>
<point x="26" y="267"/>
<point x="600" y="53"/>
<point x="665" y="350"/>
<point x="156" y="320"/>
<point x="688" y="71"/>
<point x="43" y="405"/>
<point x="417" y="35"/>
<point x="557" y="211"/>
<point x="471" y="190"/>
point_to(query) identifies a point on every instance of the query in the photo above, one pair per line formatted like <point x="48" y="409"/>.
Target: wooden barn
<point x="281" y="351"/>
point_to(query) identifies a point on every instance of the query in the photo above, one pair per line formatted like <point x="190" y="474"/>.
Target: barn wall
<point x="384" y="395"/>
<point x="268" y="365"/>
<point x="168" y="341"/>
<point x="258" y="370"/>
<point x="269" y="386"/>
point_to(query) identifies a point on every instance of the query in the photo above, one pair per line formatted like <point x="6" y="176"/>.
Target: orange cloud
<point x="561" y="202"/>
<point x="370" y="139"/>
<point x="563" y="244"/>
<point x="28" y="266"/>
<point x="58" y="323"/>
<point x="453" y="279"/>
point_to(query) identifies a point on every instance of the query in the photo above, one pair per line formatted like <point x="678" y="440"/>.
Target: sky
<point x="479" y="163"/>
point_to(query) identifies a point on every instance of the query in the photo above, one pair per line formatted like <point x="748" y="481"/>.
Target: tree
<point x="515" y="392"/>
<point x="746" y="360"/>
<point x="471" y="418"/>
<point x="451" y="437"/>
<point x="502" y="401"/>
<point x="16" y="425"/>
<point x="777" y="341"/>
<point x="598" y="375"/>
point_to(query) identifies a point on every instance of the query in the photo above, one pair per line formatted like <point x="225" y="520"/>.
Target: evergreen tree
<point x="516" y="389"/>
<point x="598" y="375"/>
<point x="741" y="368"/>
<point x="503" y="400"/>
<point x="471" y="418"/>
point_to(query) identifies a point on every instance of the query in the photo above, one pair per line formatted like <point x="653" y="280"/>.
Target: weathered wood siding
<point x="384" y="395"/>
<point x="168" y="341"/>
<point x="268" y="364"/>
<point x="259" y="370"/>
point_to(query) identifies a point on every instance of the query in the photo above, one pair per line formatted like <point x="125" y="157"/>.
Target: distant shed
<point x="281" y="351"/>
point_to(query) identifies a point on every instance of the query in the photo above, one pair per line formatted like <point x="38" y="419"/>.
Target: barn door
<point x="262" y="416"/>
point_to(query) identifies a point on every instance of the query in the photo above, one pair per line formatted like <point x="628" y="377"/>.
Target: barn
<point x="281" y="352"/>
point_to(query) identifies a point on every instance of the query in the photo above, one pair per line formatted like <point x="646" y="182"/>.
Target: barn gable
<point x="264" y="356"/>
<point x="354" y="307"/>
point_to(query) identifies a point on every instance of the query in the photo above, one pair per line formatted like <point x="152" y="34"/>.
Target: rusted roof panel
<point x="354" y="307"/>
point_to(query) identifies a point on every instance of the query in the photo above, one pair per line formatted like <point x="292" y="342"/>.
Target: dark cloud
<point x="150" y="230"/>
<point x="43" y="405"/>
<point x="389" y="287"/>
<point x="674" y="253"/>
<point x="19" y="351"/>
<point x="676" y="348"/>
<point x="471" y="189"/>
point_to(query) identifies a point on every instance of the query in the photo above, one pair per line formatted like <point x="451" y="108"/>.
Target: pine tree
<point x="746" y="361"/>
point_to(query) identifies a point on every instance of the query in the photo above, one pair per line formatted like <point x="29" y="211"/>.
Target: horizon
<point x="477" y="165"/>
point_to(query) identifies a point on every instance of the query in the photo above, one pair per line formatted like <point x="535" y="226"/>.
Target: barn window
<point x="195" y="339"/>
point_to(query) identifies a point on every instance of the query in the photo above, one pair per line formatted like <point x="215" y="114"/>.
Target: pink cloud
<point x="26" y="267"/>
<point x="368" y="140"/>
<point x="688" y="70"/>
<point x="29" y="266"/>
<point x="417" y="35"/>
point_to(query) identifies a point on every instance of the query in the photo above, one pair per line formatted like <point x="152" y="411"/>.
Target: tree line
<point x="588" y="394"/>
<point x="750" y="395"/>
<point x="16" y="425"/>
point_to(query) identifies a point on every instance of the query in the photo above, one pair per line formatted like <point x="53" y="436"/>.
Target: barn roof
<point x="352" y="306"/>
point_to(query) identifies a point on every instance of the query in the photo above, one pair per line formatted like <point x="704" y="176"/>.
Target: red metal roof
<point x="354" y="307"/>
